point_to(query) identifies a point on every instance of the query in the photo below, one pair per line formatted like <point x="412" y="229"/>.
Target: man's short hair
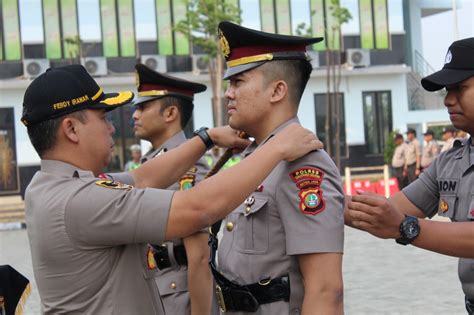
<point x="185" y="107"/>
<point x="398" y="136"/>
<point x="295" y="73"/>
<point x="43" y="135"/>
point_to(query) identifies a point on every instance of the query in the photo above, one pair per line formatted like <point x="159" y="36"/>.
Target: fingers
<point x="370" y="199"/>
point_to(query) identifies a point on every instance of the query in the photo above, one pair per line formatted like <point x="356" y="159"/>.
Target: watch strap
<point x="204" y="135"/>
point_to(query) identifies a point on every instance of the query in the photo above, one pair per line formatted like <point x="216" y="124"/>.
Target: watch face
<point x="412" y="229"/>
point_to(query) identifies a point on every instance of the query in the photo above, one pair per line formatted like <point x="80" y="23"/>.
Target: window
<point x="320" y="111"/>
<point x="377" y="120"/>
<point x="8" y="162"/>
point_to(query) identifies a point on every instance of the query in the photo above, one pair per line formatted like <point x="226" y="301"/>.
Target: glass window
<point x="89" y="17"/>
<point x="250" y="13"/>
<point x="31" y="21"/>
<point x="377" y="120"/>
<point x="300" y="13"/>
<point x="320" y="111"/>
<point x="145" y="26"/>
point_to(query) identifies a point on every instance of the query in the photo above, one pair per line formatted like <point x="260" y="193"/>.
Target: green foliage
<point x="389" y="147"/>
<point x="202" y="19"/>
<point x="341" y="14"/>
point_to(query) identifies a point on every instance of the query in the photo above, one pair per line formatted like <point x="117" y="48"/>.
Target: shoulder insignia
<point x="150" y="259"/>
<point x="113" y="184"/>
<point x="308" y="180"/>
<point x="193" y="170"/>
<point x="186" y="182"/>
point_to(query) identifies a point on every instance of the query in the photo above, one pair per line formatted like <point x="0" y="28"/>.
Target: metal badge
<point x="248" y="203"/>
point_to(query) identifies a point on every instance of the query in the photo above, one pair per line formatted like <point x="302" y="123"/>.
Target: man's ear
<point x="69" y="127"/>
<point x="280" y="91"/>
<point x="171" y="113"/>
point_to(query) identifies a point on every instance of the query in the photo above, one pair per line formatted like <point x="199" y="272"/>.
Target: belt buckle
<point x="220" y="299"/>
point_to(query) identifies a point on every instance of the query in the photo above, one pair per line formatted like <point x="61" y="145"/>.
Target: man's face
<point x="428" y="137"/>
<point x="460" y="104"/>
<point x="410" y="136"/>
<point x="97" y="136"/>
<point x="248" y="97"/>
<point x="148" y="121"/>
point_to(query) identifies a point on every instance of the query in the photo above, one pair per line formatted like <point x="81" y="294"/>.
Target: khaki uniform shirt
<point x="297" y="209"/>
<point x="398" y="159"/>
<point x="448" y="144"/>
<point x="430" y="152"/>
<point x="446" y="188"/>
<point x="172" y="282"/>
<point x="412" y="151"/>
<point x="86" y="237"/>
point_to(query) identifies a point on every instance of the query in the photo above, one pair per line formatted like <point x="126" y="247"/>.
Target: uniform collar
<point x="169" y="144"/>
<point x="253" y="146"/>
<point x="462" y="146"/>
<point x="63" y="168"/>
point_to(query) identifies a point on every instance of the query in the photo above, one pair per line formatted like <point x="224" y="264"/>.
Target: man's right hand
<point x="295" y="141"/>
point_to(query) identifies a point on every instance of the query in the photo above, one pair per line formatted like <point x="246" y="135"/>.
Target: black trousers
<point x="411" y="173"/>
<point x="397" y="172"/>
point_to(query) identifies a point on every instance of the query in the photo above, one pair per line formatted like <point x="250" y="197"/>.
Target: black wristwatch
<point x="202" y="133"/>
<point x="409" y="230"/>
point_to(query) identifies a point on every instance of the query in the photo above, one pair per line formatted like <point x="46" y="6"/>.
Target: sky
<point x="437" y="30"/>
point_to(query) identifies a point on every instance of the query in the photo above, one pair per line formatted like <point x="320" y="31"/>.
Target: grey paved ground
<point x="380" y="277"/>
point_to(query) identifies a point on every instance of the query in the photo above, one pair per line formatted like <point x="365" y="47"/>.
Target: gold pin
<point x="249" y="202"/>
<point x="229" y="226"/>
<point x="173" y="285"/>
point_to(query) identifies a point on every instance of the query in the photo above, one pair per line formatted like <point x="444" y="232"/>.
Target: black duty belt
<point x="232" y="296"/>
<point x="469" y="306"/>
<point x="162" y="257"/>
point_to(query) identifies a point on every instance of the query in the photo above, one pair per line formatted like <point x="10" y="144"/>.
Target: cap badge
<point x="224" y="44"/>
<point x="449" y="57"/>
<point x="137" y="79"/>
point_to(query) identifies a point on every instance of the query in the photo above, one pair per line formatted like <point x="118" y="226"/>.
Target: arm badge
<point x="187" y="182"/>
<point x="308" y="180"/>
<point x="113" y="184"/>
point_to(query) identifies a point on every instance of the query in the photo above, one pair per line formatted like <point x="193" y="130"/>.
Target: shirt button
<point x="229" y="226"/>
<point x="247" y="210"/>
<point x="173" y="285"/>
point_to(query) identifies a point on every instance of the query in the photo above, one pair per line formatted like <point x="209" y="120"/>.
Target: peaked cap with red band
<point x="245" y="48"/>
<point x="152" y="85"/>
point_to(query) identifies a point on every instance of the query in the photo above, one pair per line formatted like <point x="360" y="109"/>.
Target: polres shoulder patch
<point x="308" y="180"/>
<point x="187" y="182"/>
<point x="113" y="184"/>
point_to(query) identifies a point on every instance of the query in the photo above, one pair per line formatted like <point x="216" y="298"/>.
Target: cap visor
<point x="241" y="68"/>
<point x="444" y="77"/>
<point x="143" y="99"/>
<point x="110" y="101"/>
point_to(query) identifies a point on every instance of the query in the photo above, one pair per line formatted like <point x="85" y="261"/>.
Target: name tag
<point x="448" y="185"/>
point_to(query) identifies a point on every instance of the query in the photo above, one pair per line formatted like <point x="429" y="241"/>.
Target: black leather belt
<point x="469" y="305"/>
<point x="232" y="296"/>
<point x="162" y="257"/>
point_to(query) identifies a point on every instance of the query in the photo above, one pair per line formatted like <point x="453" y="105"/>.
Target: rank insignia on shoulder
<point x="113" y="184"/>
<point x="193" y="170"/>
<point x="186" y="182"/>
<point x="308" y="180"/>
<point x="443" y="205"/>
<point x="150" y="259"/>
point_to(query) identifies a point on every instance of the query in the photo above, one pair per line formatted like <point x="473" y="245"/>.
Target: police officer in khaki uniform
<point x="448" y="137"/>
<point x="430" y="149"/>
<point x="163" y="108"/>
<point x="398" y="161"/>
<point x="281" y="251"/>
<point x="446" y="188"/>
<point x="412" y="156"/>
<point x="86" y="234"/>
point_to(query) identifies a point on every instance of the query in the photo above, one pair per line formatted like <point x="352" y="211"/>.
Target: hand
<point x="374" y="214"/>
<point x="405" y="172"/>
<point x="417" y="172"/>
<point x="296" y="141"/>
<point x="226" y="137"/>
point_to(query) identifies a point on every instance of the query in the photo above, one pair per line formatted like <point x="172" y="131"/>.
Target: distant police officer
<point x="446" y="188"/>
<point x="163" y="108"/>
<point x="398" y="161"/>
<point x="448" y="138"/>
<point x="412" y="156"/>
<point x="281" y="250"/>
<point x="87" y="234"/>
<point x="430" y="149"/>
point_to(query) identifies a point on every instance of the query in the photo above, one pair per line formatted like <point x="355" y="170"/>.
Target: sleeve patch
<point x="113" y="184"/>
<point x="308" y="180"/>
<point x="187" y="182"/>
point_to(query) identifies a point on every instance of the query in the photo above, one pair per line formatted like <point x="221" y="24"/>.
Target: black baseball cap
<point x="449" y="129"/>
<point x="458" y="66"/>
<point x="152" y="85"/>
<point x="14" y="289"/>
<point x="245" y="48"/>
<point x="429" y="132"/>
<point x="411" y="130"/>
<point x="63" y="90"/>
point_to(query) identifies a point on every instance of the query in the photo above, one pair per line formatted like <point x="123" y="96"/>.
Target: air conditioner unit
<point x="200" y="64"/>
<point x="96" y="66"/>
<point x="358" y="57"/>
<point x="314" y="56"/>
<point x="155" y="62"/>
<point x="34" y="67"/>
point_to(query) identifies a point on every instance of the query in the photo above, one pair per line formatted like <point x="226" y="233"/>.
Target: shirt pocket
<point x="446" y="206"/>
<point x="252" y="227"/>
<point x="470" y="212"/>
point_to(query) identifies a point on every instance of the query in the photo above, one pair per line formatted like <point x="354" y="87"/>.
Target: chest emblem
<point x="113" y="184"/>
<point x="150" y="259"/>
<point x="187" y="182"/>
<point x="308" y="180"/>
<point x="443" y="205"/>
